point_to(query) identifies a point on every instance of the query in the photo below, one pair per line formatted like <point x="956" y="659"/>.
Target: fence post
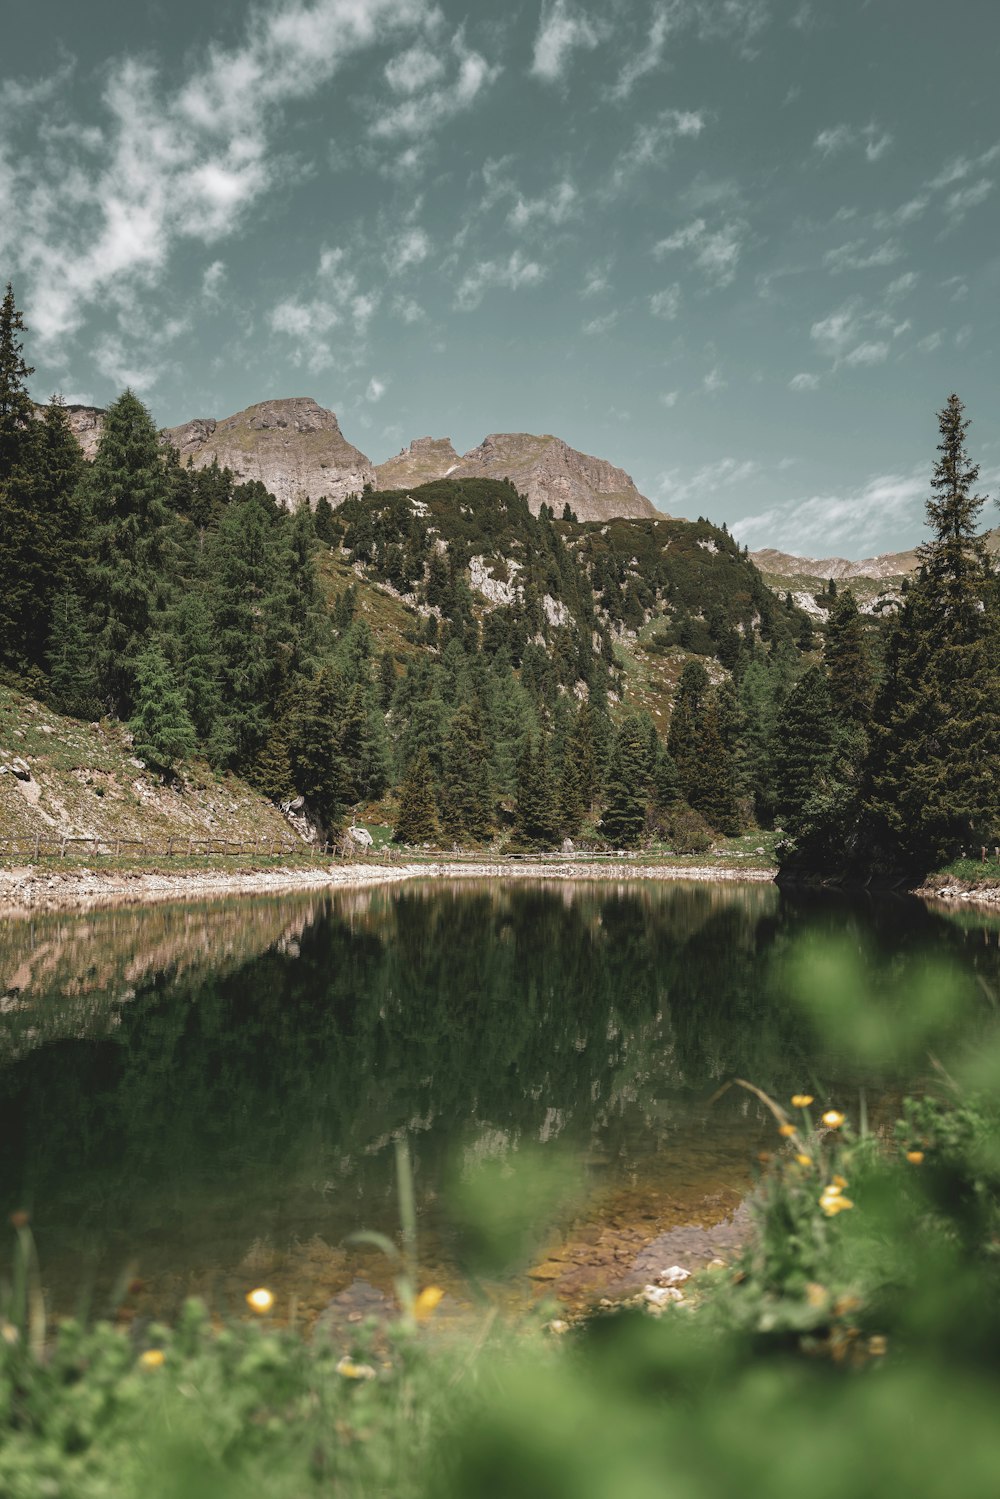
<point x="62" y="848"/>
<point x="36" y="848"/>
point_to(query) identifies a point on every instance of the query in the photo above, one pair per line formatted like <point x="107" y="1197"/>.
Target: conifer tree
<point x="323" y="520"/>
<point x="417" y="819"/>
<point x="73" y="683"/>
<point x="16" y="409"/>
<point x="624" y="820"/>
<point x="805" y="745"/>
<point x="537" y="805"/>
<point x="933" y="786"/>
<point x="162" y="732"/>
<point x="686" y="721"/>
<point x="848" y="662"/>
<point x="127" y="492"/>
<point x="712" y="788"/>
<point x="363" y="747"/>
<point x="466" y="796"/>
<point x="314" y="734"/>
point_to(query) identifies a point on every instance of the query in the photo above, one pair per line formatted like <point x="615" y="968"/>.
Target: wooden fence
<point x="39" y="846"/>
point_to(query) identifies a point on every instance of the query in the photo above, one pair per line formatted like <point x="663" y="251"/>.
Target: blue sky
<point x="743" y="248"/>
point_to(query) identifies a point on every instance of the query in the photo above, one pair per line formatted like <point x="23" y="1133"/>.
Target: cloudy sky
<point x="743" y="248"/>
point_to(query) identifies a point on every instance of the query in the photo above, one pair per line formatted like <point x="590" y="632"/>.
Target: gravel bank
<point x="29" y="889"/>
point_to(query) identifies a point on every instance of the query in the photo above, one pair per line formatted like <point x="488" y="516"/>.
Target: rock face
<point x="890" y="565"/>
<point x="294" y="447"/>
<point x="545" y="469"/>
<point x="425" y="459"/>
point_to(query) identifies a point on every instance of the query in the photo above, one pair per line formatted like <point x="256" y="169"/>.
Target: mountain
<point x="784" y="565"/>
<point x="293" y="446"/>
<point x="546" y="470"/>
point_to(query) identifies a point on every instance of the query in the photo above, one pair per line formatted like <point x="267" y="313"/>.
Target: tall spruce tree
<point x="127" y="494"/>
<point x="933" y="787"/>
<point x="804" y="746"/>
<point x="16" y="409"/>
<point x="417" y="819"/>
<point x="466" y="796"/>
<point x="162" y="731"/>
<point x="537" y="803"/>
<point x="848" y="661"/>
<point x="624" y="820"/>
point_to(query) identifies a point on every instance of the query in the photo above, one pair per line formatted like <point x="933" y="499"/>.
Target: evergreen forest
<point x="217" y="625"/>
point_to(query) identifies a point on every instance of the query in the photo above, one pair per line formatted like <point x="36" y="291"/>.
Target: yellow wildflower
<point x="153" y="1358"/>
<point x="915" y="1157"/>
<point x="877" y="1345"/>
<point x="833" y="1201"/>
<point x="801" y="1100"/>
<point x="261" y="1300"/>
<point x="833" y="1118"/>
<point x="816" y="1295"/>
<point x="351" y="1370"/>
<point x="786" y="1130"/>
<point x="427" y="1302"/>
<point x="804" y="1160"/>
<point x="840" y="1181"/>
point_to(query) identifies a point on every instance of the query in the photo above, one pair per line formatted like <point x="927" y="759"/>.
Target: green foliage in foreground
<point x="855" y="1344"/>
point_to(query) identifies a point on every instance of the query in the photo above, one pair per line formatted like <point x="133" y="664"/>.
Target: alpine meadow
<point x="499" y="977"/>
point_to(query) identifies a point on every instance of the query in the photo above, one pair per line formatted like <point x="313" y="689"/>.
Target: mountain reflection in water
<point x="210" y="1092"/>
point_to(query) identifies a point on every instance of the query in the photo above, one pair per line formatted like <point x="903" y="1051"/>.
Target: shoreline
<point x="31" y="889"/>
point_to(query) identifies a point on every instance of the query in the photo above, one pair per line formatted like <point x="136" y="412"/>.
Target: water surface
<point x="209" y="1093"/>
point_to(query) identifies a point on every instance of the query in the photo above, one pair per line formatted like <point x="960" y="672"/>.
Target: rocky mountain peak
<point x="426" y="458"/>
<point x="293" y="446"/>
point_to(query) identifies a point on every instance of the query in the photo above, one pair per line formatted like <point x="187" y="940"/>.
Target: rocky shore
<point x="36" y="888"/>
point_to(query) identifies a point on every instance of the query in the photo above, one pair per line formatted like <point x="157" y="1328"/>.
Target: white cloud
<point x="804" y="381"/>
<point x="669" y="398"/>
<point x="931" y="343"/>
<point x="414" y="69"/>
<point x="852" y="522"/>
<point x="714" y="382"/>
<point x="423" y="110"/>
<point x="964" y="198"/>
<point x="410" y="247"/>
<point x="648" y="59"/>
<point x="845" y="335"/>
<point x="600" y="325"/>
<point x="375" y="390"/>
<point x="552" y="208"/>
<point x="335" y="301"/>
<point x="212" y="280"/>
<point x="868" y="353"/>
<point x="408" y="310"/>
<point x="100" y="217"/>
<point x="902" y="286"/>
<point x="512" y="274"/>
<point x="562" y="30"/>
<point x="598" y="281"/>
<point x="666" y="303"/>
<point x="682" y="491"/>
<point x="872" y="139"/>
<point x="856" y="256"/>
<point x="716" y="251"/>
<point x="653" y="143"/>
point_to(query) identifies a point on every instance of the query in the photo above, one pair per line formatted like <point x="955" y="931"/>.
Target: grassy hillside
<point x="85" y="782"/>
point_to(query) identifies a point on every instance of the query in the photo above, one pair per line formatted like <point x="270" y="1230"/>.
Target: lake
<point x="202" y="1098"/>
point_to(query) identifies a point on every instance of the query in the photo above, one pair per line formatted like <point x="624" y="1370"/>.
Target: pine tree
<point x="314" y="736"/>
<point x="712" y="787"/>
<point x="363" y="748"/>
<point x="537" y="805"/>
<point x="932" y="785"/>
<point x="686" y="719"/>
<point x="162" y="732"/>
<point x="805" y="745"/>
<point x="417" y="819"/>
<point x="848" y="662"/>
<point x="624" y="820"/>
<point x="127" y="491"/>
<point x="323" y="520"/>
<point x="16" y="409"/>
<point x="466" y="797"/>
<point x="73" y="683"/>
